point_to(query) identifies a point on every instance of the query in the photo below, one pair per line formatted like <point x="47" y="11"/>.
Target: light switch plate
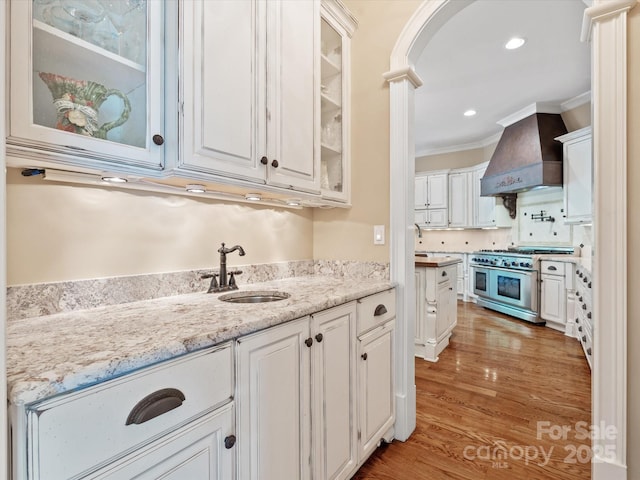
<point x="378" y="234"/>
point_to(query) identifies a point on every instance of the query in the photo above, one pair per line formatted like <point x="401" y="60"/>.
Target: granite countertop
<point x="584" y="262"/>
<point x="53" y="354"/>
<point x="422" y="261"/>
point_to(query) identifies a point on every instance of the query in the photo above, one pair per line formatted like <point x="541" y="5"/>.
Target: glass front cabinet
<point x="87" y="83"/>
<point x="337" y="27"/>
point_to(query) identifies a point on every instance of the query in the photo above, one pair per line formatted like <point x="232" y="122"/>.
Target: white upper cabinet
<point x="437" y="191"/>
<point x="578" y="176"/>
<point x="484" y="213"/>
<point x="249" y="91"/>
<point x="431" y="200"/>
<point x="431" y="191"/>
<point x="460" y="199"/>
<point x="87" y="85"/>
<point x="337" y="27"/>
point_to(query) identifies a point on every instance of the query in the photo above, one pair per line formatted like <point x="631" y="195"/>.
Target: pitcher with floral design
<point x="77" y="103"/>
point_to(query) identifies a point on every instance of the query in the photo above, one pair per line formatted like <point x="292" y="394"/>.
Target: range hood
<point x="526" y="157"/>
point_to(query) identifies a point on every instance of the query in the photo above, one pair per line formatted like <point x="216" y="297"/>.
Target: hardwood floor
<point x="479" y="407"/>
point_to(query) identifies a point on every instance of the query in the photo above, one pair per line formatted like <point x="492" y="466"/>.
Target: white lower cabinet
<point x="315" y="395"/>
<point x="436" y="309"/>
<point x="273" y="399"/>
<point x="553" y="298"/>
<point x="102" y="431"/>
<point x="203" y="450"/>
<point x="296" y="399"/>
<point x="376" y="397"/>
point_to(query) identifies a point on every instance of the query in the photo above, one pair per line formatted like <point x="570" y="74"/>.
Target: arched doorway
<point x="605" y="26"/>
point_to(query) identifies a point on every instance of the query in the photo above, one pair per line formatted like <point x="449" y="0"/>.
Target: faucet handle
<point x="232" y="279"/>
<point x="208" y="275"/>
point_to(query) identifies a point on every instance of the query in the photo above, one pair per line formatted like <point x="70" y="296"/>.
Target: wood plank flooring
<point x="479" y="406"/>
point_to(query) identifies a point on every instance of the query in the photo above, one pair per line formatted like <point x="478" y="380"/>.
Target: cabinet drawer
<point x="375" y="310"/>
<point x="445" y="274"/>
<point x="80" y="432"/>
<point x="552" y="268"/>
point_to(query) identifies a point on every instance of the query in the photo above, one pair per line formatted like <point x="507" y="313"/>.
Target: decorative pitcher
<point x="77" y="103"/>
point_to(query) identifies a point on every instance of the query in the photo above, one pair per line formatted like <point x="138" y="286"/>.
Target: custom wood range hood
<point x="526" y="157"/>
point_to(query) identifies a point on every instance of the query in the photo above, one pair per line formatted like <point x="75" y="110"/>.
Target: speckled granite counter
<point x="57" y="353"/>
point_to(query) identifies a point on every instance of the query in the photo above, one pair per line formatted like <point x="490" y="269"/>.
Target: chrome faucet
<point x="224" y="283"/>
<point x="419" y="230"/>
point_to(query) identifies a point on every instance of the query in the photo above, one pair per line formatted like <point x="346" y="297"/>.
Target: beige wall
<point x="68" y="232"/>
<point x="441" y="161"/>
<point x="348" y="234"/>
<point x="633" y="264"/>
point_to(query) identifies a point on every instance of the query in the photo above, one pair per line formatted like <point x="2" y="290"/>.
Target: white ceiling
<point x="465" y="66"/>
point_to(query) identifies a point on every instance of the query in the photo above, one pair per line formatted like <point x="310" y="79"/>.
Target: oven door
<point x="480" y="281"/>
<point x="514" y="288"/>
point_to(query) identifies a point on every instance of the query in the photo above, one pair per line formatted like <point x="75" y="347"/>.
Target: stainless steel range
<point x="507" y="280"/>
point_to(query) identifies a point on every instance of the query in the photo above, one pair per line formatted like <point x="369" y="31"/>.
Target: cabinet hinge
<point x="359" y="435"/>
<point x="181" y="108"/>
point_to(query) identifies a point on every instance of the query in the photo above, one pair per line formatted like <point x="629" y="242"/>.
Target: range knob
<point x="522" y="264"/>
<point x="527" y="265"/>
<point x="514" y="264"/>
<point x="505" y="263"/>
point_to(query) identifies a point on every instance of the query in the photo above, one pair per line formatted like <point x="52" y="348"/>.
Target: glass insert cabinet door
<point x="87" y="80"/>
<point x="332" y="179"/>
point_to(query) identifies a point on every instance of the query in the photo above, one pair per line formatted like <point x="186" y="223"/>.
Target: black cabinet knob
<point x="264" y="160"/>
<point x="308" y="342"/>
<point x="364" y="356"/>
<point x="319" y="337"/>
<point x="275" y="164"/>
<point x="229" y="441"/>
<point x="157" y="139"/>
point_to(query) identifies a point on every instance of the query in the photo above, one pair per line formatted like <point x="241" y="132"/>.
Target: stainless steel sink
<point x="254" y="297"/>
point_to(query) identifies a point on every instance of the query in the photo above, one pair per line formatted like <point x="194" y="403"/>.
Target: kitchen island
<point x="436" y="304"/>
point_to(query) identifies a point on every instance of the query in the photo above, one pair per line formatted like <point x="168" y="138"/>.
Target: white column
<point x="606" y="23"/>
<point x="4" y="464"/>
<point x="402" y="85"/>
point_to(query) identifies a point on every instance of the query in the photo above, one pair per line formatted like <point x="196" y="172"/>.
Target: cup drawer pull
<point x="552" y="268"/>
<point x="380" y="310"/>
<point x="155" y="404"/>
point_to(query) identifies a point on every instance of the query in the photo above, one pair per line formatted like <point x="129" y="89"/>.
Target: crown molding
<point x="576" y="101"/>
<point x="459" y="147"/>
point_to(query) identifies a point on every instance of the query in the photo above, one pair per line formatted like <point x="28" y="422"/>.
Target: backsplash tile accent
<point x="348" y="268"/>
<point x="26" y="301"/>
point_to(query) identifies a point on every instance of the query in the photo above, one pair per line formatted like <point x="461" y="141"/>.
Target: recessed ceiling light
<point x="470" y="113"/>
<point x="254" y="197"/>
<point x="195" y="188"/>
<point x="515" y="42"/>
<point x="114" y="179"/>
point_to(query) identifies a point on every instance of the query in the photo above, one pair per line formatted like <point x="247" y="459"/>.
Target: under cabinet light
<point x="294" y="202"/>
<point x="195" y="188"/>
<point x="113" y="179"/>
<point x="148" y="185"/>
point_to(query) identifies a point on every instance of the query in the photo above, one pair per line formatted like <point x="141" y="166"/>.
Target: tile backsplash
<point x="25" y="301"/>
